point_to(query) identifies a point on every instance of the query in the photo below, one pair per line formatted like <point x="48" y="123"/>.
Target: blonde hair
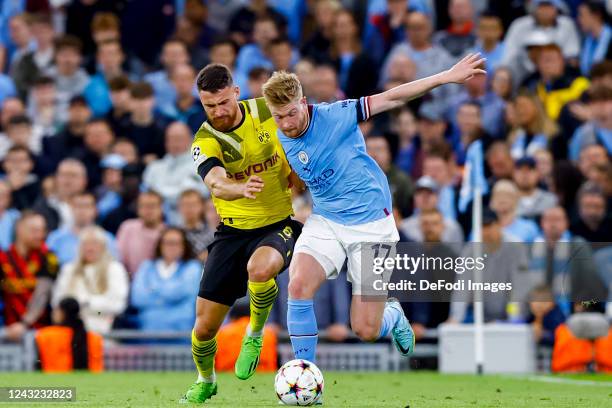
<point x="100" y="284"/>
<point x="282" y="89"/>
<point x="542" y="123"/>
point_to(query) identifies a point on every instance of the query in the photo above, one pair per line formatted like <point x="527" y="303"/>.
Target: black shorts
<point x="225" y="274"/>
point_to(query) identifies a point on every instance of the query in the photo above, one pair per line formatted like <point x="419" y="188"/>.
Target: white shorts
<point x="331" y="244"/>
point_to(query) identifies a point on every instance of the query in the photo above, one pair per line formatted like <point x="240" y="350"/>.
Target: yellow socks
<point x="262" y="296"/>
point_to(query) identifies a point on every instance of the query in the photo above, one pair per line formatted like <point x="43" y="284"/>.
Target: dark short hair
<point x="257" y="72"/>
<point x="19" y="120"/>
<point x="220" y="41"/>
<point x="188" y="252"/>
<point x="281" y="40"/>
<point x="601" y="69"/>
<point x="43" y="80"/>
<point x="19" y="148"/>
<point x="69" y="41"/>
<point x="214" y="77"/>
<point x="119" y="83"/>
<point x="141" y="90"/>
<point x="600" y="94"/>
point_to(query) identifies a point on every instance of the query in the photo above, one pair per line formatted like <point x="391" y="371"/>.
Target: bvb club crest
<point x="263" y="136"/>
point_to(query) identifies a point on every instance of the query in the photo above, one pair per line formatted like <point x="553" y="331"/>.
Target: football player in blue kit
<point x="351" y="200"/>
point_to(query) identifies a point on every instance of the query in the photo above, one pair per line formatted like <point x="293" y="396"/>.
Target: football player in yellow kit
<point x="238" y="155"/>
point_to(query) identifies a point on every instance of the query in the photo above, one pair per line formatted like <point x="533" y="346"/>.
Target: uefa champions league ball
<point x="299" y="382"/>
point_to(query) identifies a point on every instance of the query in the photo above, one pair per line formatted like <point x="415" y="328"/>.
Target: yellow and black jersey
<point x="250" y="149"/>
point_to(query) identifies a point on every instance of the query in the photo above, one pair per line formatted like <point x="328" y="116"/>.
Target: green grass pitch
<point x="404" y="389"/>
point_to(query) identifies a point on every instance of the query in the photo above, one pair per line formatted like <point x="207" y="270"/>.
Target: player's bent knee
<point x="203" y="331"/>
<point x="300" y="287"/>
<point x="367" y="332"/>
<point x="261" y="272"/>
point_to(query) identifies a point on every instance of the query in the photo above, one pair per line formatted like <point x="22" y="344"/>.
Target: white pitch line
<point x="557" y="380"/>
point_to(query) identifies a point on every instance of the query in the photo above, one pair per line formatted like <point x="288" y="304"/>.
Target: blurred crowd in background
<point x="100" y="200"/>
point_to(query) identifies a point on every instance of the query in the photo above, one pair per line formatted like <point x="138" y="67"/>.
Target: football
<point x="299" y="382"/>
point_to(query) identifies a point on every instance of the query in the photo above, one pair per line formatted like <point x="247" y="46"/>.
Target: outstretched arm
<point x="398" y="96"/>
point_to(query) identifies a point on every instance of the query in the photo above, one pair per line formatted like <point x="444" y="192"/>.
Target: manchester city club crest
<point x="303" y="157"/>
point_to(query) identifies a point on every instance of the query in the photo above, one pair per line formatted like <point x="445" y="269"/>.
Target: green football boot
<point x="249" y="357"/>
<point x="199" y="392"/>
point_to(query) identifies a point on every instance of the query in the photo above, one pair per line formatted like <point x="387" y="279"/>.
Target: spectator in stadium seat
<point x="70" y="78"/>
<point x="489" y="44"/>
<point x="7" y="88"/>
<point x="145" y="128"/>
<point x="429" y="58"/>
<point x="70" y="180"/>
<point x="199" y="233"/>
<point x="534" y="201"/>
<point x="325" y="88"/>
<point x="94" y="278"/>
<point x="555" y="259"/>
<point x="136" y="238"/>
<point x="174" y="52"/>
<point x="119" y="115"/>
<point x="225" y="51"/>
<point x="499" y="161"/>
<point x="108" y="194"/>
<point x="400" y="184"/>
<point x="357" y="72"/>
<point x="66" y="345"/>
<point x="80" y="15"/>
<point x="43" y="106"/>
<point x="257" y="54"/>
<point x="545" y="20"/>
<point x="426" y="198"/>
<point x="504" y="263"/>
<point x="109" y="61"/>
<point x="401" y="69"/>
<point x="592" y="16"/>
<point x="440" y="165"/>
<point x="173" y="173"/>
<point x="504" y="202"/>
<point x="281" y="55"/>
<point x="129" y="193"/>
<point x="492" y="107"/>
<point x="544" y="315"/>
<point x="593" y="222"/>
<point x="533" y="128"/>
<point x="431" y="132"/>
<point x="242" y="25"/>
<point x="190" y="29"/>
<point x="8" y="216"/>
<point x="404" y="124"/>
<point x="18" y="166"/>
<point x="598" y="130"/>
<point x="544" y="165"/>
<point x="64" y="241"/>
<point x="69" y="142"/>
<point x="469" y="127"/>
<point x="384" y="30"/>
<point x="316" y="47"/>
<point x="186" y="107"/>
<point x="165" y="287"/>
<point x="555" y="82"/>
<point x="21" y="41"/>
<point x="501" y="83"/>
<point x="127" y="150"/>
<point x="433" y="310"/>
<point x="39" y="61"/>
<point x="591" y="157"/>
<point x="459" y="36"/>
<point x="257" y="77"/>
<point x="98" y="140"/>
<point x="28" y="269"/>
<point x="19" y="132"/>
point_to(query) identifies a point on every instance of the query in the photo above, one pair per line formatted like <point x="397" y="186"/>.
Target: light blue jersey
<point x="346" y="184"/>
